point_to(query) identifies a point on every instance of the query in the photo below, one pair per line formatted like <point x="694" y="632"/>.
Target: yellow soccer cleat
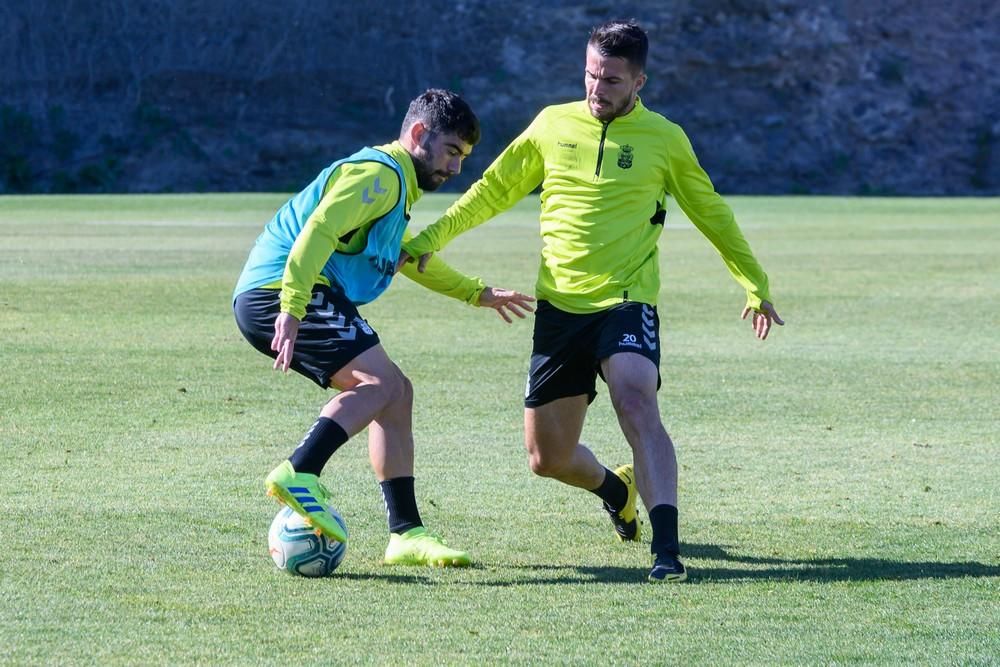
<point x="419" y="547"/>
<point x="626" y="520"/>
<point x="307" y="498"/>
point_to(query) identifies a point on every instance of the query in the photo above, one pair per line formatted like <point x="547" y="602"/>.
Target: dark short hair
<point x="443" y="112"/>
<point x="621" y="39"/>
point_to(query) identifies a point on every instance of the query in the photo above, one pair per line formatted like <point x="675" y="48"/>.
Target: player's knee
<point x="404" y="389"/>
<point x="391" y="389"/>
<point x="633" y="405"/>
<point x="539" y="466"/>
<point x="543" y="465"/>
<point x="398" y="388"/>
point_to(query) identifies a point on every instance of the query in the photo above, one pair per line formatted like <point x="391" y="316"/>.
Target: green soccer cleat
<point x="419" y="547"/>
<point x="667" y="568"/>
<point x="307" y="497"/>
<point x="626" y="520"/>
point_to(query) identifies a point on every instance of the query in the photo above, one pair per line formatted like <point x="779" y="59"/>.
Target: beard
<point x="609" y="111"/>
<point x="428" y="179"/>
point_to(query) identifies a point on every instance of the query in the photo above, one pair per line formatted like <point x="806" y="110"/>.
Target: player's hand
<point x="763" y="318"/>
<point x="286" y="330"/>
<point x="404" y="257"/>
<point x="506" y="301"/>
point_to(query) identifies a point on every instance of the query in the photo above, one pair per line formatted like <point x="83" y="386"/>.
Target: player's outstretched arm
<point x="506" y="302"/>
<point x="762" y="319"/>
<point x="443" y="279"/>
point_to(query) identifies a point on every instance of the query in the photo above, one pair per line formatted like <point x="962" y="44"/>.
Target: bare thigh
<point x="552" y="438"/>
<point x="369" y="384"/>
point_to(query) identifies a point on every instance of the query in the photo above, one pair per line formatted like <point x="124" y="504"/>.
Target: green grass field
<point x="839" y="482"/>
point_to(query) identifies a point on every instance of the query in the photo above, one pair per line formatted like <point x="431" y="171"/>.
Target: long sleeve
<point x="443" y="279"/>
<point x="693" y="191"/>
<point x="517" y="171"/>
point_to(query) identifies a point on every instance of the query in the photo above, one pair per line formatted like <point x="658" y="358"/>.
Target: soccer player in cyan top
<point x="606" y="165"/>
<point x="329" y="249"/>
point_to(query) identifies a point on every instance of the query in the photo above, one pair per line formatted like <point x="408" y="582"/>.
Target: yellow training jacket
<point x="604" y="188"/>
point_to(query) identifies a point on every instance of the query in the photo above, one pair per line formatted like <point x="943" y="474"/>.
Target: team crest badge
<point x="625" y="156"/>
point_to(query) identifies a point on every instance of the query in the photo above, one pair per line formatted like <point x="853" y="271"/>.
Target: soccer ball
<point x="297" y="549"/>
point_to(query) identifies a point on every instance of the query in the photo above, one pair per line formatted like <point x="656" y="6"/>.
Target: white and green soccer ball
<point x="296" y="548"/>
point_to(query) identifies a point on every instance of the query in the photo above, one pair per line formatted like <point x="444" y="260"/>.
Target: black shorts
<point x="568" y="348"/>
<point x="331" y="334"/>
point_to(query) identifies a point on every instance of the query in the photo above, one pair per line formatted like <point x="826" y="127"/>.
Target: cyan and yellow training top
<point x="346" y="228"/>
<point x="604" y="188"/>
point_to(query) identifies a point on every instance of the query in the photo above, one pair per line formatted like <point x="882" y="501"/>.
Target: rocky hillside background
<point x="849" y="97"/>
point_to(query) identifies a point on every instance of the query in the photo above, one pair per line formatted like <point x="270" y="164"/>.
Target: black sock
<point x="400" y="504"/>
<point x="612" y="491"/>
<point x="663" y="519"/>
<point x="322" y="440"/>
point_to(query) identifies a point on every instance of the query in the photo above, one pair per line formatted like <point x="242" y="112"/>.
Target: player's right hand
<point x="506" y="301"/>
<point x="286" y="330"/>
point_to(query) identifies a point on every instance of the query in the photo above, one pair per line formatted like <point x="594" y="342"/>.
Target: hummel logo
<point x="334" y="320"/>
<point x="648" y="327"/>
<point x="376" y="188"/>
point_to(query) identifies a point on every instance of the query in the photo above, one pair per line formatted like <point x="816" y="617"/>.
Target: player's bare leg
<point x="369" y="384"/>
<point x="390" y="437"/>
<point x="632" y="382"/>
<point x="552" y="438"/>
<point x="391" y="452"/>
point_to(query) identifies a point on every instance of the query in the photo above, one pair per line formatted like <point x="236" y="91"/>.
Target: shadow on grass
<point x="829" y="569"/>
<point x="386" y="577"/>
<point x="753" y="568"/>
<point x="404" y="575"/>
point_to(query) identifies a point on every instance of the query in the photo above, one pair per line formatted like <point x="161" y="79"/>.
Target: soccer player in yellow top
<point x="606" y="166"/>
<point x="329" y="249"/>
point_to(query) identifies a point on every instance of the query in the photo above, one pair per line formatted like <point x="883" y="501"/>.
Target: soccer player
<point x="329" y="249"/>
<point x="606" y="165"/>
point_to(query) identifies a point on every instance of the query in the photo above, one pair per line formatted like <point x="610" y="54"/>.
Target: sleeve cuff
<point x="473" y="299"/>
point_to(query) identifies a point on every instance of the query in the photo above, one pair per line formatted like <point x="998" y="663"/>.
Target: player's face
<point x="438" y="157"/>
<point x="611" y="85"/>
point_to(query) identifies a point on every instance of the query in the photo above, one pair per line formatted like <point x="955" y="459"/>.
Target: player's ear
<point x="417" y="133"/>
<point x="640" y="82"/>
